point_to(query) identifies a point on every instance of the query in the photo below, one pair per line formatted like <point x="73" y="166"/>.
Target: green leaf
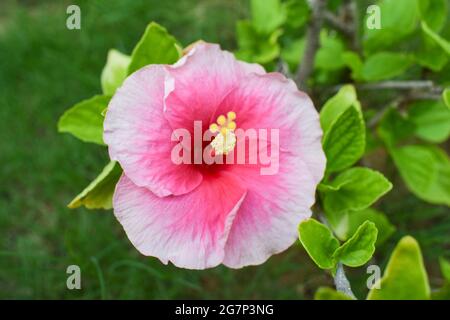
<point x="385" y="65"/>
<point x="85" y="120"/>
<point x="426" y="172"/>
<point x="356" y="189"/>
<point x="297" y="13"/>
<point x="353" y="61"/>
<point x="292" y="53"/>
<point x="348" y="223"/>
<point x="441" y="42"/>
<point x="434" y="13"/>
<point x="254" y="47"/>
<point x="345" y="142"/>
<point x="329" y="55"/>
<point x="336" y="106"/>
<point x="432" y="120"/>
<point x="394" y="127"/>
<point x="399" y="18"/>
<point x="267" y="15"/>
<point x="344" y="130"/>
<point x="156" y="46"/>
<point x="325" y="293"/>
<point x="98" y="194"/>
<point x="405" y="277"/>
<point x="357" y="250"/>
<point x="319" y="242"/>
<point x="115" y="71"/>
<point x="446" y="97"/>
<point x="430" y="55"/>
<point x="445" y="268"/>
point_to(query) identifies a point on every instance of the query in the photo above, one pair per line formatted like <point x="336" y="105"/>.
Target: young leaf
<point x="348" y="223"/>
<point x="319" y="242"/>
<point x="357" y="189"/>
<point x="325" y="293"/>
<point x="85" y="120"/>
<point x="405" y="277"/>
<point x="336" y="106"/>
<point x="156" y="46"/>
<point x="115" y="71"/>
<point x="431" y="119"/>
<point x="329" y="55"/>
<point x="441" y="42"/>
<point x="267" y="15"/>
<point x="385" y="65"/>
<point x="426" y="172"/>
<point x="98" y="194"/>
<point x="254" y="47"/>
<point x="345" y="143"/>
<point x="360" y="247"/>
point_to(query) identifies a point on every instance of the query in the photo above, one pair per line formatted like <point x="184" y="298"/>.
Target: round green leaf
<point x="156" y="46"/>
<point x="357" y="250"/>
<point x="426" y="172"/>
<point x="85" y="120"/>
<point x="319" y="242"/>
<point x="115" y="71"/>
<point x="385" y="65"/>
<point x="431" y="119"/>
<point x="355" y="189"/>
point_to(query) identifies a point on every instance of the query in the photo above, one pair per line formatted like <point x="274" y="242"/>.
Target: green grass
<point x="44" y="69"/>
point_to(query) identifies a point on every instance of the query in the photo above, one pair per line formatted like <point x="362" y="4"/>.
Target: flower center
<point x="225" y="140"/>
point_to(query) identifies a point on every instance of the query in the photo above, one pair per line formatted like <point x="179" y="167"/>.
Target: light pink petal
<point x="275" y="204"/>
<point x="139" y="137"/>
<point x="202" y="79"/>
<point x="189" y="230"/>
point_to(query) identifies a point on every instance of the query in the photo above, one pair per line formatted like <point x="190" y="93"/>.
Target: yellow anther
<point x="231" y="115"/>
<point x="231" y="125"/>
<point x="214" y="128"/>
<point x="223" y="131"/>
<point x="225" y="141"/>
<point x="221" y="120"/>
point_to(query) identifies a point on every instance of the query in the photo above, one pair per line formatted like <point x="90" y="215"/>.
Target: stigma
<point x="225" y="140"/>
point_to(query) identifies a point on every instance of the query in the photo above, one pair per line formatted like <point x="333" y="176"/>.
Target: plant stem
<point x="341" y="282"/>
<point x="399" y="85"/>
<point x="312" y="43"/>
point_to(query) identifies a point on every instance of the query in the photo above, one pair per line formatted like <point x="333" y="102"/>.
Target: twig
<point x="312" y="43"/>
<point x="418" y="86"/>
<point x="341" y="282"/>
<point x="340" y="279"/>
<point x="402" y="100"/>
<point x="354" y="8"/>
<point x="338" y="24"/>
<point x="400" y="85"/>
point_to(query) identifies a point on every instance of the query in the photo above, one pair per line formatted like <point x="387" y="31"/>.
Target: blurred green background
<point x="46" y="68"/>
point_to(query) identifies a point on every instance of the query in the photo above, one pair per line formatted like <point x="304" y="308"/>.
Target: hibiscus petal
<point x="202" y="79"/>
<point x="139" y="137"/>
<point x="275" y="204"/>
<point x="189" y="230"/>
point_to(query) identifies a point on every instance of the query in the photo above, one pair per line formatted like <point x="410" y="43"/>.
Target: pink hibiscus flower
<point x="195" y="214"/>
